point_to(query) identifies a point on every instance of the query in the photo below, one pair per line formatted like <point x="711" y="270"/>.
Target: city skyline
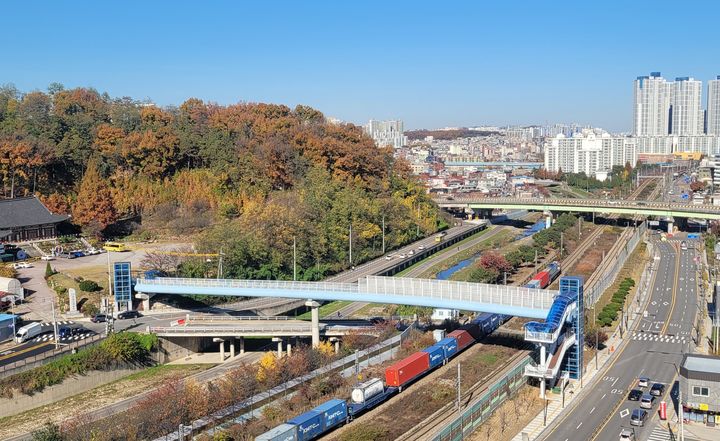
<point x="492" y="64"/>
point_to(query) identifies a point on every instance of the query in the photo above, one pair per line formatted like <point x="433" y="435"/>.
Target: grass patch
<point x="164" y="369"/>
<point x="326" y="309"/>
<point x="488" y="358"/>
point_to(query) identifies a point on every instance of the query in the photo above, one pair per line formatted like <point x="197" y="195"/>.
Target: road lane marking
<point x="592" y="410"/>
<point x="674" y="287"/>
<point x="603" y="397"/>
<point x="624" y="413"/>
<point x="616" y="380"/>
<point x="578" y="426"/>
<point x="22" y="351"/>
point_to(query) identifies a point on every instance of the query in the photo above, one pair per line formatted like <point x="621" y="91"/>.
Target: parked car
<point x="99" y="318"/>
<point x="402" y="256"/>
<point x="19" y="265"/>
<point x="68" y="255"/>
<point x="128" y="315"/>
<point x="47" y="257"/>
<point x="92" y="251"/>
<point x="647" y="401"/>
<point x="643" y="382"/>
<point x="627" y="435"/>
<point x="638" y="417"/>
<point x="411" y="252"/>
<point x="635" y="395"/>
<point x="67" y="332"/>
<point x="657" y="389"/>
<point x="388" y="257"/>
<point x="421" y="247"/>
<point x="78" y="254"/>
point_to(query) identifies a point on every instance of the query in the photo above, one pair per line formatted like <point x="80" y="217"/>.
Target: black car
<point x="657" y="389"/>
<point x="67" y="332"/>
<point x="635" y="395"/>
<point x="99" y="318"/>
<point x="128" y="315"/>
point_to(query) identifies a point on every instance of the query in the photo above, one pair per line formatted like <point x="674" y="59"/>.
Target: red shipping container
<point x="464" y="339"/>
<point x="407" y="369"/>
<point x="543" y="277"/>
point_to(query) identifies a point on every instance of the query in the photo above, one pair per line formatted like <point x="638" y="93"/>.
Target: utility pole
<point x="294" y="259"/>
<point x="350" y="239"/>
<point x="561" y="244"/>
<point x="504" y="277"/>
<point x="417" y="232"/>
<point x="383" y="234"/>
<point x="459" y="402"/>
<point x="55" y="328"/>
<point x="536" y="261"/>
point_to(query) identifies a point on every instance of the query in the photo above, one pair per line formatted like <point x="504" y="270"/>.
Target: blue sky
<point x="432" y="64"/>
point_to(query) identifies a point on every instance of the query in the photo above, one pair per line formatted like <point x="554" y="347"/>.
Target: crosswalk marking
<point x="48" y="337"/>
<point x="60" y="322"/>
<point x="645" y="336"/>
<point x="660" y="434"/>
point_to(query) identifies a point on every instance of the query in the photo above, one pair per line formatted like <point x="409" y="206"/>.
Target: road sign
<point x="663" y="410"/>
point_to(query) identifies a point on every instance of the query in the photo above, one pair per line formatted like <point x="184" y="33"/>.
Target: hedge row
<point x="117" y="349"/>
<point x="610" y="311"/>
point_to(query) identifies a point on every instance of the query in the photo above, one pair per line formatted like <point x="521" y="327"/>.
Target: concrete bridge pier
<point x="145" y="300"/>
<point x="279" y="341"/>
<point x="548" y="219"/>
<point x="222" y="348"/>
<point x="315" y="322"/>
<point x="670" y="225"/>
<point x="232" y="347"/>
<point x="336" y="342"/>
<point x="242" y="345"/>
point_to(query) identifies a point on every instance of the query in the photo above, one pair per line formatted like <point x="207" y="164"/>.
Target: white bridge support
<point x="315" y="322"/>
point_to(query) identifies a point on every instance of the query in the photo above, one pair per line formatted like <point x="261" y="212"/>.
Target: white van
<point x="27" y="332"/>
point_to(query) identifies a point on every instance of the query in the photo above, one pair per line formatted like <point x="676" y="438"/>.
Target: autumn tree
<point x="94" y="206"/>
<point x="495" y="261"/>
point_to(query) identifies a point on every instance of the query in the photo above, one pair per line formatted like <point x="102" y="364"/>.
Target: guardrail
<point x="225" y="318"/>
<point x="217" y="330"/>
<point x="600" y="203"/>
<point x="31" y="362"/>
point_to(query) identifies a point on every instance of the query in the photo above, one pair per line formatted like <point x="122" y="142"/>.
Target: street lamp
<point x="680" y="405"/>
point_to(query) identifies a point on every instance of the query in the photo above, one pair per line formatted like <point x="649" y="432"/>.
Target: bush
<point x="89" y="286"/>
<point x="49" y="432"/>
<point x="49" y="271"/>
<point x="89" y="309"/>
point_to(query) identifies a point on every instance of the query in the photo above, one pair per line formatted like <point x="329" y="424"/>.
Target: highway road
<point x="656" y="342"/>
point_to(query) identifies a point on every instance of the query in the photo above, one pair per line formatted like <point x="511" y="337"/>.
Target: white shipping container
<point x="366" y="390"/>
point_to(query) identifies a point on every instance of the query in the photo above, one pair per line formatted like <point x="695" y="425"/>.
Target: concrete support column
<point x="278" y="340"/>
<point x="543" y="355"/>
<point x="232" y="347"/>
<point x="242" y="345"/>
<point x="671" y="224"/>
<point x="336" y="342"/>
<point x="315" y="322"/>
<point x="289" y="348"/>
<point x="542" y="388"/>
<point x="548" y="219"/>
<point x="222" y="348"/>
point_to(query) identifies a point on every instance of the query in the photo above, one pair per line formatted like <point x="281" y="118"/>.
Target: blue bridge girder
<point x="496" y="299"/>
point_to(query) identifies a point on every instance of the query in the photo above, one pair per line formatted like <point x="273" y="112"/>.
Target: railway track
<point x="429" y="426"/>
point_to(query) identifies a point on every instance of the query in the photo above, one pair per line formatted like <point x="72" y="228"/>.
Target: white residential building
<point x="686" y="112"/>
<point x="652" y="98"/>
<point x="387" y="133"/>
<point x="666" y="145"/>
<point x="588" y="153"/>
<point x="713" y="107"/>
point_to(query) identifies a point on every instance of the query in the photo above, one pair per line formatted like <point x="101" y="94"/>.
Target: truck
<point x="27" y="332"/>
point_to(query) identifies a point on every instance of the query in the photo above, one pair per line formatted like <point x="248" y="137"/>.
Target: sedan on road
<point x="635" y="395"/>
<point x="128" y="315"/>
<point x="99" y="318"/>
<point x="643" y="382"/>
<point x="638" y="417"/>
<point x="647" y="401"/>
<point x="657" y="389"/>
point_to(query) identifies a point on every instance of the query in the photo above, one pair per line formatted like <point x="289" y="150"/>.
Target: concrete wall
<point x="171" y="349"/>
<point x="68" y="388"/>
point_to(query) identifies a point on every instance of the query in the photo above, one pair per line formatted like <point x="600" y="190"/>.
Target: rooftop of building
<point x="701" y="363"/>
<point x="21" y="212"/>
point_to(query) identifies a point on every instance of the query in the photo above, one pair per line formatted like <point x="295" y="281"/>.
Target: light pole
<point x="681" y="417"/>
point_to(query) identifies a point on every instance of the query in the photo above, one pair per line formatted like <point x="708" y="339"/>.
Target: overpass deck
<point x="497" y="299"/>
<point x="647" y="208"/>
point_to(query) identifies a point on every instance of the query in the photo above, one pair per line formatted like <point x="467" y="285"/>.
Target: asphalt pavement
<point x="655" y="348"/>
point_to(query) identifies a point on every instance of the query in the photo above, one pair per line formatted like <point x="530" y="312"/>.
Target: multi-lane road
<point x="655" y="346"/>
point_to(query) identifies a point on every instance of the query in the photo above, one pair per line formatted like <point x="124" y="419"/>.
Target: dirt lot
<point x="511" y="417"/>
<point x="94" y="399"/>
<point x="589" y="262"/>
<point x="392" y="419"/>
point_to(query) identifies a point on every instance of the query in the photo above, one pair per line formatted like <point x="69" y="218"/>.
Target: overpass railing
<point x="600" y="203"/>
<point x="459" y="291"/>
<point x="253" y="284"/>
<point x="211" y="330"/>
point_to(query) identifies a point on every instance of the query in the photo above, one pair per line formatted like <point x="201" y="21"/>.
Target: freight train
<point x="371" y="393"/>
<point x="545" y="278"/>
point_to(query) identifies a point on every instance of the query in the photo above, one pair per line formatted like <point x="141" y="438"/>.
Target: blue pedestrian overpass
<point x="496" y="299"/>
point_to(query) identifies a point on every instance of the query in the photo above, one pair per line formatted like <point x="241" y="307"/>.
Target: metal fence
<point x="480" y="410"/>
<point x="612" y="266"/>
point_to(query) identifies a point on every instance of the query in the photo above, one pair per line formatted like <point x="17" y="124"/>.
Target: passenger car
<point x="647" y="401"/>
<point x="627" y="435"/>
<point x="643" y="382"/>
<point x="657" y="389"/>
<point x="638" y="417"/>
<point x="635" y="395"/>
<point x="128" y="315"/>
<point x="99" y="318"/>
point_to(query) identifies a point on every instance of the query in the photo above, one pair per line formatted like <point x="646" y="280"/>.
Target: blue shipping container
<point x="449" y="345"/>
<point x="283" y="432"/>
<point x="334" y="412"/>
<point x="436" y="354"/>
<point x="533" y="284"/>
<point x="309" y="425"/>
